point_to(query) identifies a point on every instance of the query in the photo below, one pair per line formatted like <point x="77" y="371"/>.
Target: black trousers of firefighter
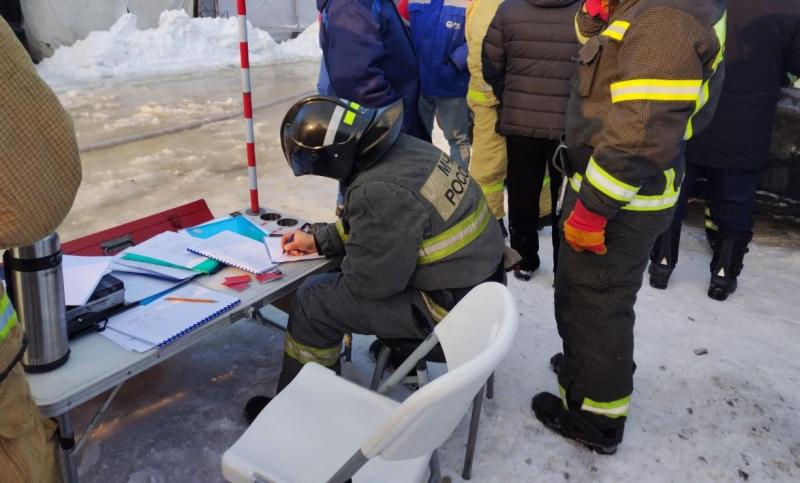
<point x="594" y="300"/>
<point x="325" y="309"/>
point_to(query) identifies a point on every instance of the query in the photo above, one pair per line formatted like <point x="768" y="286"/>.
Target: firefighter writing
<point x="446" y="186"/>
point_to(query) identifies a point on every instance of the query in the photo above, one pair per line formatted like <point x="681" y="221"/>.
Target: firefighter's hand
<point x="585" y="230"/>
<point x="597" y="8"/>
<point x="298" y="243"/>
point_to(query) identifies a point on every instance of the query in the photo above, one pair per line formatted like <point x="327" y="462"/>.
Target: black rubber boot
<point x="524" y="269"/>
<point x="727" y="264"/>
<point x="664" y="257"/>
<point x="587" y="429"/>
<point x="254" y="406"/>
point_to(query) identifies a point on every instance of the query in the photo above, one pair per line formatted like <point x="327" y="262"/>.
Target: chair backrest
<point x="475" y="336"/>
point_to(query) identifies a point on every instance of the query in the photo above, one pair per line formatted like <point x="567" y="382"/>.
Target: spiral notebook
<point x="235" y="250"/>
<point x="164" y="321"/>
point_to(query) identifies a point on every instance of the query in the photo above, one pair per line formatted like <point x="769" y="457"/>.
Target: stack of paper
<point x="81" y="276"/>
<point x="164" y="321"/>
<point x="236" y="251"/>
<point x="169" y="249"/>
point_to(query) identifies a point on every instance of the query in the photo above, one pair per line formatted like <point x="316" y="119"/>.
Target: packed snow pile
<point x="179" y="44"/>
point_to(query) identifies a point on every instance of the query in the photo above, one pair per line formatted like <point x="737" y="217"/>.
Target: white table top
<point x="96" y="364"/>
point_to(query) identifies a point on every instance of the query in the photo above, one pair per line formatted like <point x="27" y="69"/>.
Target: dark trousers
<point x="527" y="159"/>
<point x="729" y="193"/>
<point x="594" y="308"/>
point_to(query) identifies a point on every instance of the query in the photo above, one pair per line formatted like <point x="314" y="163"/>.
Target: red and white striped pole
<point x="247" y="103"/>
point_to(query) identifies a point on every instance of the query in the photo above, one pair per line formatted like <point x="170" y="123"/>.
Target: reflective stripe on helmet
<point x="333" y="126"/>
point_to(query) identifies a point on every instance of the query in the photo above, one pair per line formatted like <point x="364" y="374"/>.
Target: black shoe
<point x="556" y="362"/>
<point x="522" y="274"/>
<point x="575" y="425"/>
<point x="721" y="287"/>
<point x="659" y="275"/>
<point x="254" y="406"/>
<point x="727" y="263"/>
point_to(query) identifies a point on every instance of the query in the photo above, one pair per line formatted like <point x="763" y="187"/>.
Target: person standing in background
<point x="489" y="161"/>
<point x="369" y="57"/>
<point x="527" y="59"/>
<point x="763" y="45"/>
<point x="437" y="27"/>
<point x="41" y="172"/>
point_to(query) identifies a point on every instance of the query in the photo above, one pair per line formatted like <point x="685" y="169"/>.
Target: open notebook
<point x="164" y="321"/>
<point x="235" y="250"/>
<point x="277" y="255"/>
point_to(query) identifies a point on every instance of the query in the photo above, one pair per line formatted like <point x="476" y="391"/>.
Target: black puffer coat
<point x="763" y="44"/>
<point x="527" y="59"/>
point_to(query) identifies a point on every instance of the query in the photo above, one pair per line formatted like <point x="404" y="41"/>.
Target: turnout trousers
<point x="325" y="309"/>
<point x="594" y="309"/>
<point x="27" y="441"/>
<point x="489" y="160"/>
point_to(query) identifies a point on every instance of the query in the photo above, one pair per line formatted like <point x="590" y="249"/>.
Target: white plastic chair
<point x="324" y="428"/>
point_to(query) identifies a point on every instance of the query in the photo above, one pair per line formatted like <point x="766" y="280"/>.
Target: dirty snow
<point x="729" y="415"/>
<point x="179" y="44"/>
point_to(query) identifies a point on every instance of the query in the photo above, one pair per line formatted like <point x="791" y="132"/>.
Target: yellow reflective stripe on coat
<point x="493" y="188"/>
<point x="304" y="354"/>
<point x="456" y="237"/>
<point x="721" y="31"/>
<point x="614" y="409"/>
<point x="662" y="90"/>
<point x="581" y="38"/>
<point x="8" y="316"/>
<point x="609" y="185"/>
<point x="617" y="30"/>
<point x="438" y="313"/>
<point x="643" y="202"/>
<point x="340" y="230"/>
<point x="477" y="95"/>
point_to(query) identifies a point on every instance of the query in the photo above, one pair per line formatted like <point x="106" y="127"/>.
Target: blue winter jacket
<point x="437" y="27"/>
<point x="369" y="57"/>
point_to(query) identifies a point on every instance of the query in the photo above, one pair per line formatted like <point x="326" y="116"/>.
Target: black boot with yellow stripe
<point x="598" y="433"/>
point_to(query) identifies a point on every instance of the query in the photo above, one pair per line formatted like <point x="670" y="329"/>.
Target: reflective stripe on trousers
<point x="8" y="317"/>
<point x="612" y="409"/>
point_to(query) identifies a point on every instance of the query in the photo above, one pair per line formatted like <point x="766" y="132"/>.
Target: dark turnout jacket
<point x="528" y="60"/>
<point x="763" y="44"/>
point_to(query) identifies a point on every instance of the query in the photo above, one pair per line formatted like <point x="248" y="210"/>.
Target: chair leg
<point x="490" y="387"/>
<point x="380" y="367"/>
<point x="348" y="347"/>
<point x="422" y="373"/>
<point x="436" y="469"/>
<point x="473" y="434"/>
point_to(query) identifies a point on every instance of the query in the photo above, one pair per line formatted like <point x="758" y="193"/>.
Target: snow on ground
<point x="179" y="44"/>
<point x="729" y="415"/>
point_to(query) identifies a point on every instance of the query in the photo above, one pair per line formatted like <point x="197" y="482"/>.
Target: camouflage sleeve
<point x="661" y="85"/>
<point x="39" y="161"/>
<point x="387" y="224"/>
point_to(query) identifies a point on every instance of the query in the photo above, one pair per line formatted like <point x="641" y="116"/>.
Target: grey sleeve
<point x="387" y="224"/>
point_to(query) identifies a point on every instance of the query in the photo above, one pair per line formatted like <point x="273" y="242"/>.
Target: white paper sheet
<point x="81" y="276"/>
<point x="139" y="287"/>
<point x="276" y="252"/>
<point x="169" y="247"/>
<point x="235" y="250"/>
<point x="143" y="268"/>
<point x="125" y="341"/>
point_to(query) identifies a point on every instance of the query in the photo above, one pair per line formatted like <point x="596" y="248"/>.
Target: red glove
<point x="585" y="230"/>
<point x="597" y="8"/>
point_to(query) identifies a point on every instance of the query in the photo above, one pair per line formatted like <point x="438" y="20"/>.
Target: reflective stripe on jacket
<point x="479" y="14"/>
<point x="641" y="92"/>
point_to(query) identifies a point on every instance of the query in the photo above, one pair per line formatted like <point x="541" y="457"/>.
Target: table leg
<point x="69" y="472"/>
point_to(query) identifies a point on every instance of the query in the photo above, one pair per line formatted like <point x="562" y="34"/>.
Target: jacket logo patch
<point x="453" y="25"/>
<point x="446" y="186"/>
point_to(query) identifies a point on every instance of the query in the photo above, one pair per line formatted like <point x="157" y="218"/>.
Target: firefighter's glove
<point x="597" y="8"/>
<point x="585" y="230"/>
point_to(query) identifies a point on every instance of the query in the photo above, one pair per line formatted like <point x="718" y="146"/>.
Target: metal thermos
<point x="35" y="283"/>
